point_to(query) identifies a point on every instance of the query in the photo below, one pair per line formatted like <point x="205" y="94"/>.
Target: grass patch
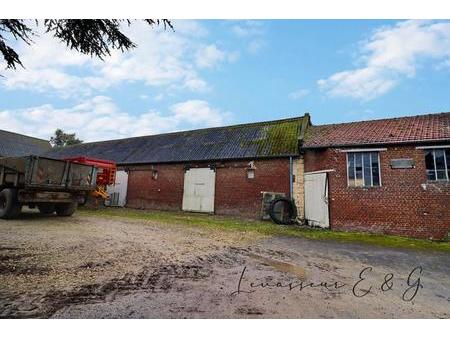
<point x="268" y="228"/>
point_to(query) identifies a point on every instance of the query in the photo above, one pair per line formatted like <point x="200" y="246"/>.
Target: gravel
<point x="94" y="267"/>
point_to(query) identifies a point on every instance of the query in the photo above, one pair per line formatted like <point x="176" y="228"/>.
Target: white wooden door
<point x="316" y="199"/>
<point x="199" y="188"/>
<point x="118" y="191"/>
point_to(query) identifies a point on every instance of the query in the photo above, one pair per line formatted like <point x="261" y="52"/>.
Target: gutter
<point x="291" y="178"/>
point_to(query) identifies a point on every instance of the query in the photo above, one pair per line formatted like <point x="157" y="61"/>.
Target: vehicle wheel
<point x="85" y="199"/>
<point x="9" y="205"/>
<point x="66" y="209"/>
<point x="46" y="208"/>
<point x="282" y="210"/>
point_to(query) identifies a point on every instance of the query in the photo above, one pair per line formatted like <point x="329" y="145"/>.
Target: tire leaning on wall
<point x="9" y="205"/>
<point x="290" y="218"/>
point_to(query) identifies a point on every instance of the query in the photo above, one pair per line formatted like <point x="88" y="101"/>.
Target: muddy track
<point x="158" y="279"/>
<point x="150" y="279"/>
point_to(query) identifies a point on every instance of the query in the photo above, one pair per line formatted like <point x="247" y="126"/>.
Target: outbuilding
<point x="13" y="144"/>
<point x="386" y="176"/>
<point x="233" y="170"/>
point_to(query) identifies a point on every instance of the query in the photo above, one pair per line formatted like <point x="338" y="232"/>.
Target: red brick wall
<point x="164" y="193"/>
<point x="405" y="204"/>
<point x="235" y="193"/>
<point x="238" y="195"/>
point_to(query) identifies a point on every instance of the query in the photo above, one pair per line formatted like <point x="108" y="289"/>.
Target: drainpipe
<point x="291" y="180"/>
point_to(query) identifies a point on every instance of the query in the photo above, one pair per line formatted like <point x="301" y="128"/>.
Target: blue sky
<point x="220" y="72"/>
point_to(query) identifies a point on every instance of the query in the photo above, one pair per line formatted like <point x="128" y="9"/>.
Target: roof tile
<point x="413" y="129"/>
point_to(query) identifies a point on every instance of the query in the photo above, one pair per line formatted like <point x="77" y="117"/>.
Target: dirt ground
<point x="93" y="267"/>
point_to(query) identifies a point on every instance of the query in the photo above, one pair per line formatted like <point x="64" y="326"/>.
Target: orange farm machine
<point x="106" y="174"/>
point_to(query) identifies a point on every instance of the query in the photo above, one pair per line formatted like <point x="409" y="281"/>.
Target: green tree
<point x="61" y="139"/>
<point x="92" y="37"/>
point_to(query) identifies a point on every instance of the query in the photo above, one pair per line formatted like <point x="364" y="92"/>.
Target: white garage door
<point x="118" y="191"/>
<point x="199" y="188"/>
<point x="316" y="199"/>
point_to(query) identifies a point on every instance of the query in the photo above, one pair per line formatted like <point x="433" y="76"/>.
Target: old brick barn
<point x="225" y="170"/>
<point x="387" y="176"/>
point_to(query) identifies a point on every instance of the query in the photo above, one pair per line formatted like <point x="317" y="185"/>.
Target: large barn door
<point x="316" y="199"/>
<point x="199" y="188"/>
<point x="118" y="191"/>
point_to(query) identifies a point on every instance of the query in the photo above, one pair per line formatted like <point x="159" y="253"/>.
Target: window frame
<point x="446" y="168"/>
<point x="365" y="151"/>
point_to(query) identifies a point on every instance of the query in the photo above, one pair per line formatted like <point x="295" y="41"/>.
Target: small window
<point x="363" y="169"/>
<point x="437" y="163"/>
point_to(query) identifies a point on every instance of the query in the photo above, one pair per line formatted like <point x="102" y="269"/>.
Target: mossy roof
<point x="278" y="138"/>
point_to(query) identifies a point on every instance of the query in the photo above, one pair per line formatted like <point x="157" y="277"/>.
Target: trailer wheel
<point x="66" y="209"/>
<point x="9" y="205"/>
<point x="46" y="208"/>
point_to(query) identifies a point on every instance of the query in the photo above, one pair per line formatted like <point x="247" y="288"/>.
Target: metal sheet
<point x="402" y="163"/>
<point x="256" y="140"/>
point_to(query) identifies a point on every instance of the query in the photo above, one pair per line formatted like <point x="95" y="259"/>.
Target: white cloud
<point x="199" y="112"/>
<point x="252" y="31"/>
<point x="44" y="63"/>
<point x="210" y="56"/>
<point x="163" y="58"/>
<point x="195" y="84"/>
<point x="298" y="94"/>
<point x="255" y="46"/>
<point x="365" y="83"/>
<point x="190" y="27"/>
<point x="99" y="118"/>
<point x="391" y="54"/>
<point x="248" y="28"/>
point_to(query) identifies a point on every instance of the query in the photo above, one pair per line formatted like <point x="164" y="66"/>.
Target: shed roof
<point x="13" y="144"/>
<point x="412" y="129"/>
<point x="254" y="140"/>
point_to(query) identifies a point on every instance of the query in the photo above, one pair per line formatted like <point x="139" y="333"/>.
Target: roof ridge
<point x="382" y="119"/>
<point x="193" y="130"/>
<point x="33" y="137"/>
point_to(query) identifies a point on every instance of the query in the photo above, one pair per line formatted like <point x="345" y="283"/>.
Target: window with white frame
<point x="437" y="162"/>
<point x="363" y="169"/>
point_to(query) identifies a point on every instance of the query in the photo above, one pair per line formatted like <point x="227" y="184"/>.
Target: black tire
<point x="85" y="200"/>
<point x="290" y="217"/>
<point x="9" y="205"/>
<point x="66" y="209"/>
<point x="46" y="208"/>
